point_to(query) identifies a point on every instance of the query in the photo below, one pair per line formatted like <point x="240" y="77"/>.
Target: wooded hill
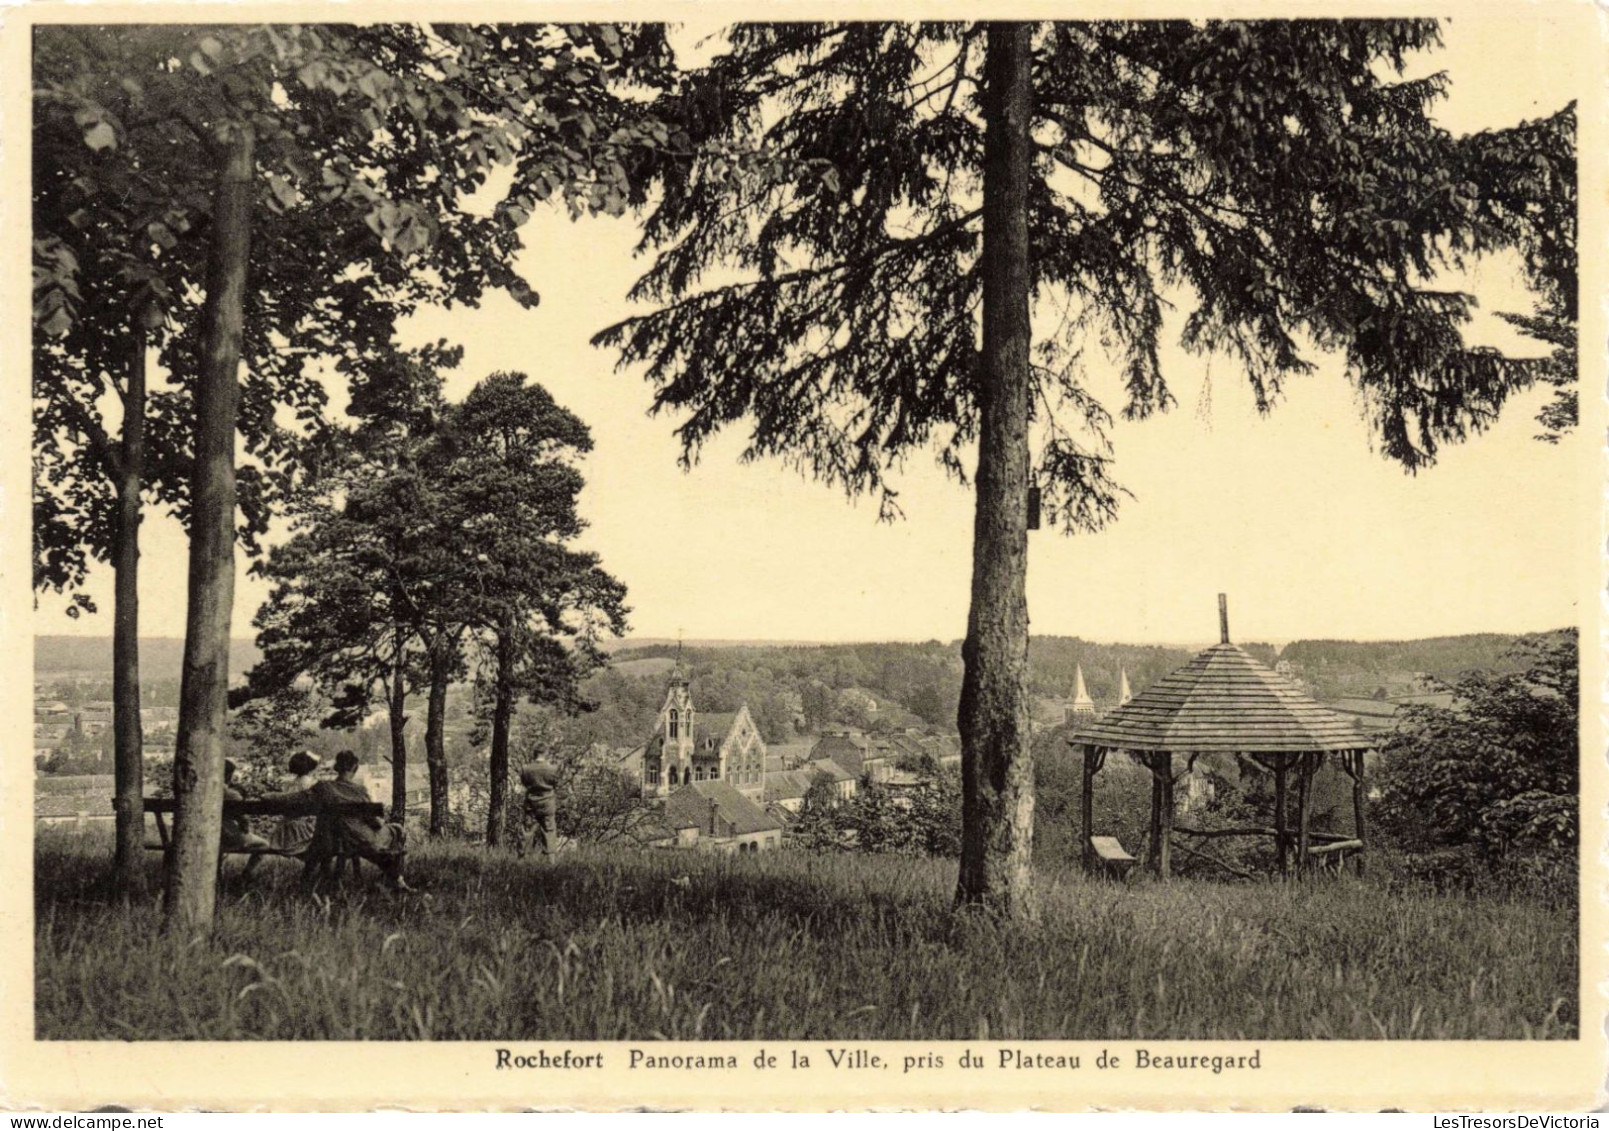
<point x="794" y="690"/>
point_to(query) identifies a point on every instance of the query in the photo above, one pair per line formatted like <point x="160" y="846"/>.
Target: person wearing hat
<point x="541" y="781"/>
<point x="236" y="834"/>
<point x="293" y="834"/>
<point x="380" y="842"/>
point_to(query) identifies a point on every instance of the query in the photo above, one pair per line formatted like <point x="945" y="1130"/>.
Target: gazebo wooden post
<point x="1094" y="759"/>
<point x="1281" y="843"/>
<point x="1352" y="762"/>
<point x="1153" y="840"/>
<point x="1307" y="768"/>
<point x="1164" y="860"/>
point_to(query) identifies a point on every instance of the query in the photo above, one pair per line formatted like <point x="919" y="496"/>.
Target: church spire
<point x="678" y="674"/>
<point x="1082" y="705"/>
<point x="1123" y="692"/>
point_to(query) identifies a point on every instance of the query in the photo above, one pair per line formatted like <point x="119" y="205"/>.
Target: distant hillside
<point x="161" y="657"/>
<point x="1331" y="663"/>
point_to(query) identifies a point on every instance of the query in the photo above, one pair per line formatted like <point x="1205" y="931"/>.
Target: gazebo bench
<point x="1110" y="857"/>
<point x="1332" y="857"/>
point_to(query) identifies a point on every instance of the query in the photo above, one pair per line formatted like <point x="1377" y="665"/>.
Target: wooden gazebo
<point x="1225" y="702"/>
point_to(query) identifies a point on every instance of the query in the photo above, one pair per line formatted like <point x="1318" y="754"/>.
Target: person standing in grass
<point x="541" y="781"/>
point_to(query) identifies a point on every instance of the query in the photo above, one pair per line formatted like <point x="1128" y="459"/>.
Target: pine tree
<point x="850" y="261"/>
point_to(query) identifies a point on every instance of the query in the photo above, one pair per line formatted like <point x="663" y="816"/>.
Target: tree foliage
<point x="1530" y="174"/>
<point x="922" y="821"/>
<point x="1266" y="176"/>
<point x="1496" y="777"/>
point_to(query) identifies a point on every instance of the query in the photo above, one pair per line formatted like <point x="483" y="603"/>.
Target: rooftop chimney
<point x="715" y="815"/>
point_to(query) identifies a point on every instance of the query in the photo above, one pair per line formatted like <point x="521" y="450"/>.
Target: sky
<point x="1308" y="529"/>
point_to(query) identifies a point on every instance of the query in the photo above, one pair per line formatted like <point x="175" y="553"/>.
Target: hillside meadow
<point x="616" y="945"/>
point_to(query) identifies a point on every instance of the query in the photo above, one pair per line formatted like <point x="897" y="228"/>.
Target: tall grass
<point x="641" y="945"/>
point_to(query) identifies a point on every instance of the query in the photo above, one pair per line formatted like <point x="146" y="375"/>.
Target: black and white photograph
<point x="989" y="561"/>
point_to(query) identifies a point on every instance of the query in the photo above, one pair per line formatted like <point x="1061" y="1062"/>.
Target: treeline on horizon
<point x="1053" y="658"/>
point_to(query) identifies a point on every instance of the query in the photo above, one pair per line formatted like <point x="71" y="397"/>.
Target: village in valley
<point x="709" y="778"/>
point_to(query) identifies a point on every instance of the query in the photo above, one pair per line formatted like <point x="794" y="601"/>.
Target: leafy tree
<point x="1495" y="777"/>
<point x="535" y="607"/>
<point x="818" y="702"/>
<point x="925" y="821"/>
<point x="375" y="134"/>
<point x="265" y="732"/>
<point x="895" y="201"/>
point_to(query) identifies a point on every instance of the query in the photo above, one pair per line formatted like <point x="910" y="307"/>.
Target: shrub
<point x="1489" y="787"/>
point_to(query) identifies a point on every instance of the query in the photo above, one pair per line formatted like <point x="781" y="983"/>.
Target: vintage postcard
<point x="901" y="557"/>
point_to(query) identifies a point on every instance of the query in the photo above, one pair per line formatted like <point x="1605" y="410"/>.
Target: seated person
<point x="236" y="834"/>
<point x="369" y="838"/>
<point x="293" y="834"/>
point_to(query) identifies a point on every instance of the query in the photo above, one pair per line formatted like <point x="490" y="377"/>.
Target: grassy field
<point x="640" y="945"/>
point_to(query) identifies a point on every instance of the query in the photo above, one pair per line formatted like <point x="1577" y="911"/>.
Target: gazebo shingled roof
<point x="1224" y="701"/>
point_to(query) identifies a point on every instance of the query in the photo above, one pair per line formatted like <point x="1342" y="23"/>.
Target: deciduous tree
<point x="376" y="134"/>
<point x="1496" y="775"/>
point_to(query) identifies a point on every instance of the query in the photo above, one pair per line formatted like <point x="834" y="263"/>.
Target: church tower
<point x="668" y="757"/>
<point x="1083" y="707"/>
<point x="676" y="729"/>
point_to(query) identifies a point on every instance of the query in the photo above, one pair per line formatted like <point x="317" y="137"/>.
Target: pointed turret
<point x="1123" y="692"/>
<point x="1082" y="706"/>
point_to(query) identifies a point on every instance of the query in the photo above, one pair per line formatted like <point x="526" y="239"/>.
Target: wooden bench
<point x="1332" y="857"/>
<point x="161" y="807"/>
<point x="1110" y="857"/>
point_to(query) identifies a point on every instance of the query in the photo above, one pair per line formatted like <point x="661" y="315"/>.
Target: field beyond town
<point x="638" y="945"/>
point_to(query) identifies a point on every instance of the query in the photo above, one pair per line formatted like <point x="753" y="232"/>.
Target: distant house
<point x="843" y="783"/>
<point x="787" y="755"/>
<point x="73" y="800"/>
<point x="879" y="757"/>
<point x="76" y="810"/>
<point x="853" y="751"/>
<point x="787" y="789"/>
<point x="378" y="777"/>
<point x="714" y="815"/>
<point x="1370" y="714"/>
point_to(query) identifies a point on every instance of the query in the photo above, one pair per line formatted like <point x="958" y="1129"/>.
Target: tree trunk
<point x="502" y="712"/>
<point x="128" y="866"/>
<point x="397" y="706"/>
<point x="1281" y="839"/>
<point x="1359" y="804"/>
<point x="1304" y="804"/>
<point x="204" y="685"/>
<point x="997" y="759"/>
<point x="1164" y="858"/>
<point x="436" y="730"/>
